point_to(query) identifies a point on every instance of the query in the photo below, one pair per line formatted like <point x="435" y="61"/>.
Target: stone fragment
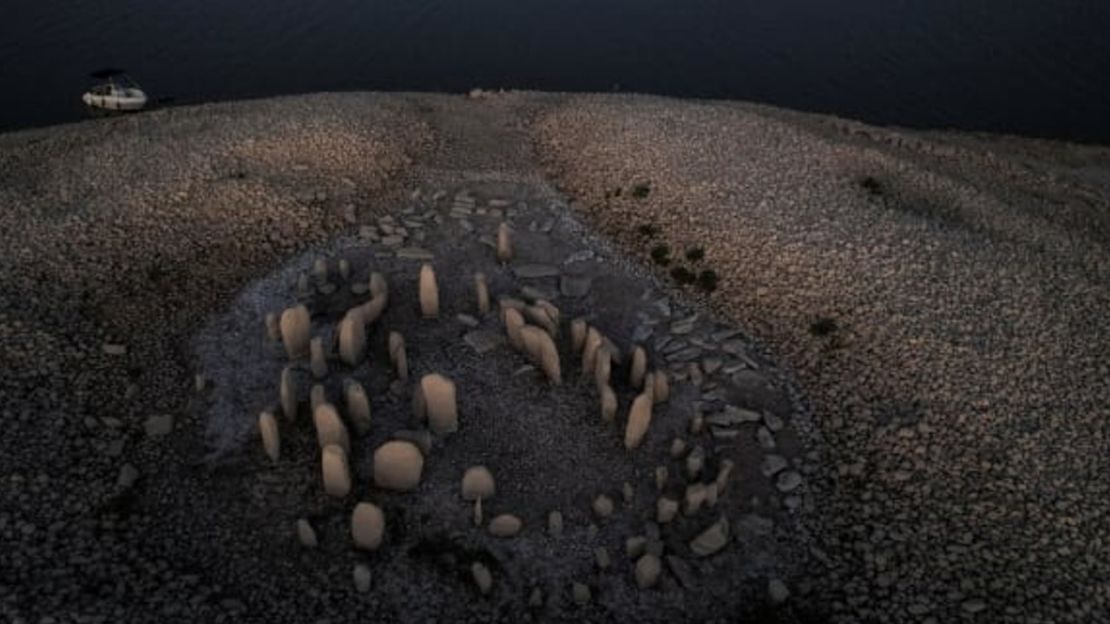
<point x="581" y="594"/>
<point x="344" y="269"/>
<point x="127" y="477"/>
<point x="439" y="397"/>
<point x="535" y="599"/>
<point x="318" y="359"/>
<point x="603" y="506"/>
<point x="317" y="396"/>
<point x="535" y="271"/>
<point x="352" y="337"/>
<point x="627" y="492"/>
<point x="477" y="482"/>
<point x="647" y="571"/>
<point x="723" y="475"/>
<point x="295" y="326"/>
<point x="695" y="497"/>
<point x="398" y="355"/>
<point x="273" y="326"/>
<point x="711" y="540"/>
<point x="398" y="465"/>
<point x="555" y="523"/>
<point x="306" y="534"/>
<point x="415" y="253"/>
<point x="661" y="388"/>
<point x="429" y="292"/>
<point x="337" y="475"/>
<point x="330" y="428"/>
<point x="639" y="419"/>
<point x="660" y="477"/>
<point x="639" y="368"/>
<point x="288" y="392"/>
<point x="773" y="464"/>
<point x="514" y="322"/>
<point x="601" y="557"/>
<point x="695" y="461"/>
<point x="481" y="292"/>
<point x="635" y="546"/>
<point x="578" y="334"/>
<point x="483" y="341"/>
<point x="158" y="426"/>
<point x="608" y="404"/>
<point x="482" y="577"/>
<point x="358" y="405"/>
<point x="361" y="576"/>
<point x="505" y="525"/>
<point x="367" y="526"/>
<point x="697" y="424"/>
<point x="765" y="437"/>
<point x="678" y="448"/>
<point x="271" y="437"/>
<point x="589" y="350"/>
<point x="788" y="481"/>
<point x="575" y="286"/>
<point x="777" y="591"/>
<point x="504" y="243"/>
<point x="665" y="509"/>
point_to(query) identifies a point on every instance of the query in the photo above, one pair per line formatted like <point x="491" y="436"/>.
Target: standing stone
<point x="361" y="577"/>
<point x="661" y="477"/>
<point x="379" y="288"/>
<point x="367" y="526"/>
<point x="578" y="334"/>
<point x="504" y="243"/>
<point x="271" y="437"/>
<point x="541" y="348"/>
<point x="723" y="474"/>
<point x="601" y="556"/>
<point x="337" y="475"/>
<point x="477" y="515"/>
<point x="288" y="392"/>
<point x="603" y="367"/>
<point x="317" y="396"/>
<point x="608" y="404"/>
<point x="352" y="337"/>
<point x="639" y="368"/>
<point x="429" y="292"/>
<point x="273" y="326"/>
<point x="482" y="577"/>
<point x="372" y="310"/>
<point x="344" y="269"/>
<point x="639" y="418"/>
<point x="306" y="534"/>
<point x="438" y="393"/>
<point x="514" y="324"/>
<point x="540" y="316"/>
<point x="398" y="465"/>
<point x="295" y="326"/>
<point x="320" y="271"/>
<point x="555" y="523"/>
<point x="777" y="591"/>
<point x="695" y="461"/>
<point x="329" y="428"/>
<point x="647" y="571"/>
<point x="661" y="386"/>
<point x="477" y="483"/>
<point x="398" y="355"/>
<point x="589" y="350"/>
<point x="505" y="525"/>
<point x="581" y="594"/>
<point x="481" y="291"/>
<point x="358" y="405"/>
<point x="318" y="359"/>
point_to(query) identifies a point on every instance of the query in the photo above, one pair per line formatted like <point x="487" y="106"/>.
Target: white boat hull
<point x="132" y="100"/>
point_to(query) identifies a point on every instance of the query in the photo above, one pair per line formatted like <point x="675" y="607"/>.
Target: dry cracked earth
<point x="884" y="351"/>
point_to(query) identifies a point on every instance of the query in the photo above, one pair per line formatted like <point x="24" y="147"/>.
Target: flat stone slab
<point x="533" y="271"/>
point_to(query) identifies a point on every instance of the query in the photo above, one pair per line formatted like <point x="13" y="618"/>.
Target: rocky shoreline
<point x="939" y="298"/>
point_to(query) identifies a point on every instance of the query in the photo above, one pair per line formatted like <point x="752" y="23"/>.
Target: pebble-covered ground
<point x="944" y="300"/>
<point x="941" y="300"/>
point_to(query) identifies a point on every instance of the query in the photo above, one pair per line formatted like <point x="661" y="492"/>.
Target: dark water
<point x="1035" y="67"/>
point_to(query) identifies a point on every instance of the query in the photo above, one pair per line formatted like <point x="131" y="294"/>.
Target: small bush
<point x="823" y="326"/>
<point x="683" y="276"/>
<point x="695" y="254"/>
<point x="707" y="280"/>
<point x="661" y="254"/>
<point x="641" y="191"/>
<point x="647" y="230"/>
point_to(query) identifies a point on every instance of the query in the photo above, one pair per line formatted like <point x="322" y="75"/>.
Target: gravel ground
<point x="940" y="298"/>
<point x="943" y="299"/>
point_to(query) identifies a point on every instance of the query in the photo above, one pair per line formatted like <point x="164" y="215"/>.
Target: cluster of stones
<point x="532" y="327"/>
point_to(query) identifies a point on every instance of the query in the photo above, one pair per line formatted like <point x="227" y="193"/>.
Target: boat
<point x="118" y="92"/>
